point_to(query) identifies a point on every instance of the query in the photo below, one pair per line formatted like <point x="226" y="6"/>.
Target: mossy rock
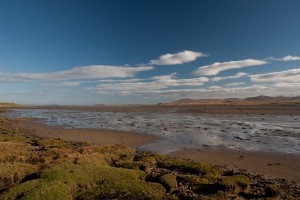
<point x="149" y="157"/>
<point x="272" y="191"/>
<point x="67" y="181"/>
<point x="190" y="167"/>
<point x="129" y="164"/>
<point x="169" y="182"/>
<point x="233" y="184"/>
<point x="192" y="180"/>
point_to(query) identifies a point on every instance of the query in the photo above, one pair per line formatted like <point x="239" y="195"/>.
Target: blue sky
<point x="132" y="51"/>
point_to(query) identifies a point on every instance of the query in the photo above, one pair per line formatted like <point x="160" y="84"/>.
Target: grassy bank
<point x="37" y="168"/>
<point x="4" y="105"/>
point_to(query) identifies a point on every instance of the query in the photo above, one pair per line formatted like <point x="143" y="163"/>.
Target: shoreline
<point x="270" y="165"/>
<point x="95" y="136"/>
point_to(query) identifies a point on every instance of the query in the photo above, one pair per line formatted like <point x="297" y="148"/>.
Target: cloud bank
<point x="292" y="75"/>
<point x="79" y="73"/>
<point x="217" y="67"/>
<point x="154" y="84"/>
<point x="238" y="75"/>
<point x="178" y="58"/>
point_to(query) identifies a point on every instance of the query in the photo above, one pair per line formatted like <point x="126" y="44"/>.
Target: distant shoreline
<point x="207" y="109"/>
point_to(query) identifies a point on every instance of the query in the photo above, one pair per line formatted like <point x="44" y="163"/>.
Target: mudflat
<point x="95" y="136"/>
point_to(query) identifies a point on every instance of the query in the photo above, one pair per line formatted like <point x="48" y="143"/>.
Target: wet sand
<point x="271" y="165"/>
<point x="95" y="136"/>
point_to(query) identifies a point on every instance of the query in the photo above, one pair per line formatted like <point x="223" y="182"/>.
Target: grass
<point x="35" y="168"/>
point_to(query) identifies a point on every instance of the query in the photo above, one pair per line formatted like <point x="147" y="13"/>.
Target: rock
<point x="272" y="191"/>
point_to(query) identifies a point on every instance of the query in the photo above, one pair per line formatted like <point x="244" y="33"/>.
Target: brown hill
<point x="258" y="100"/>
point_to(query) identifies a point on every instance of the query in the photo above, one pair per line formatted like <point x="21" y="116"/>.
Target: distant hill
<point x="258" y="100"/>
<point x="9" y="105"/>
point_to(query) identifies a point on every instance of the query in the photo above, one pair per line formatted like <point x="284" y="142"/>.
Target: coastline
<point x="270" y="165"/>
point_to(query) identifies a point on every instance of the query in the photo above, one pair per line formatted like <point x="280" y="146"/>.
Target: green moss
<point x="129" y="164"/>
<point x="234" y="184"/>
<point x="54" y="143"/>
<point x="192" y="179"/>
<point x="148" y="157"/>
<point x="8" y="131"/>
<point x="13" y="163"/>
<point x="190" y="167"/>
<point x="13" y="138"/>
<point x="12" y="173"/>
<point x="18" y="192"/>
<point x="67" y="180"/>
<point x="169" y="181"/>
<point x="63" y="170"/>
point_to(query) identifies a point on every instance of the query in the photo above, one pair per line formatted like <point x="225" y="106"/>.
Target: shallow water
<point x="185" y="130"/>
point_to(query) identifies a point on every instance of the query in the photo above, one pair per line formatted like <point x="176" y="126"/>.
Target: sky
<point x="147" y="51"/>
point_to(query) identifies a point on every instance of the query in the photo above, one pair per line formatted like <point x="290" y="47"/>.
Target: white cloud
<point x="217" y="67"/>
<point x="234" y="84"/>
<point x="285" y="84"/>
<point x="120" y="80"/>
<point x="292" y="75"/>
<point x="238" y="75"/>
<point x="286" y="58"/>
<point x="177" y="58"/>
<point x="63" y="84"/>
<point x="171" y="80"/>
<point x="155" y="83"/>
<point x="79" y="73"/>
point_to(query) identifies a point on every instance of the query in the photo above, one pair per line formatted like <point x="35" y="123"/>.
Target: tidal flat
<point x="179" y="130"/>
<point x="256" y="154"/>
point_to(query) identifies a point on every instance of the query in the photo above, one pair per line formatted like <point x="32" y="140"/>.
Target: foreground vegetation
<point x="36" y="168"/>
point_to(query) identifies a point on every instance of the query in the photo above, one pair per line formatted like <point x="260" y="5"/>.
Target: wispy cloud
<point x="177" y="58"/>
<point x="132" y="80"/>
<point x="217" y="67"/>
<point x="238" y="75"/>
<point x="292" y="75"/>
<point x="78" y="73"/>
<point x="234" y="84"/>
<point x="219" y="92"/>
<point x="63" y="84"/>
<point x="151" y="85"/>
<point x="286" y="58"/>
